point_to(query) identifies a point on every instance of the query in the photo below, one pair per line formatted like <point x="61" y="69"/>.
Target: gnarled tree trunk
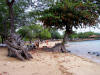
<point x="60" y="47"/>
<point x="16" y="47"/>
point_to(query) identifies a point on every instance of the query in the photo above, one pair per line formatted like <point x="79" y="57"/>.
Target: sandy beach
<point x="47" y="63"/>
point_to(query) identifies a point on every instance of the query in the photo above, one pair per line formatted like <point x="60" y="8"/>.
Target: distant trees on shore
<point x="83" y="35"/>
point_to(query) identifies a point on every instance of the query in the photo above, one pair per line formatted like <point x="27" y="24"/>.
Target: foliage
<point x="26" y="32"/>
<point x="45" y="34"/>
<point x="82" y="35"/>
<point x="97" y="2"/>
<point x="3" y="17"/>
<point x="85" y="35"/>
<point x="55" y="34"/>
<point x="69" y="14"/>
<point x="40" y="32"/>
<point x="34" y="31"/>
<point x="73" y="35"/>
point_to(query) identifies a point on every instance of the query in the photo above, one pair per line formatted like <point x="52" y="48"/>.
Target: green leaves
<point x="70" y="14"/>
<point x="45" y="34"/>
<point x="34" y="31"/>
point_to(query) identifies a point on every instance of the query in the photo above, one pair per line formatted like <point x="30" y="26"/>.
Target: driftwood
<point x="16" y="47"/>
<point x="57" y="48"/>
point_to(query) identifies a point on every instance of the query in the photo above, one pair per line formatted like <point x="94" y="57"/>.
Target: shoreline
<point x="83" y="40"/>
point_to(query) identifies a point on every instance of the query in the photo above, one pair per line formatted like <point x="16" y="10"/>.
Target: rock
<point x="31" y="47"/>
<point x="94" y="53"/>
<point x="69" y="51"/>
<point x="97" y="55"/>
<point x="89" y="52"/>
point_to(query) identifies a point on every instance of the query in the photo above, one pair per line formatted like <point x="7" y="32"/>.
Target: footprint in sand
<point x="64" y="70"/>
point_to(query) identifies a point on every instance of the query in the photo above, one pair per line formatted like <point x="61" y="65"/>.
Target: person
<point x="47" y="42"/>
<point x="37" y="44"/>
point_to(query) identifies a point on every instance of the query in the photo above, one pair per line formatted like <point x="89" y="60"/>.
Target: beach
<point x="47" y="63"/>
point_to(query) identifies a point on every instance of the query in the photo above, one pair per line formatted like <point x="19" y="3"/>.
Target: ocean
<point x="87" y="49"/>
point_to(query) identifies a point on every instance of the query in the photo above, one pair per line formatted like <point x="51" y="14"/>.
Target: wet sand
<point x="47" y="63"/>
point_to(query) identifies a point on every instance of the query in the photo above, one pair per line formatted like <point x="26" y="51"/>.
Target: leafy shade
<point x="26" y="32"/>
<point x="45" y="34"/>
<point x="70" y="14"/>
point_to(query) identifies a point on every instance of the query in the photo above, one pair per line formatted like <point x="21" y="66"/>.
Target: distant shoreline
<point x="83" y="40"/>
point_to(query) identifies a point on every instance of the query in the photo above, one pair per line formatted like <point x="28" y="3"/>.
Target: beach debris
<point x="94" y="53"/>
<point x="31" y="47"/>
<point x="57" y="48"/>
<point x="69" y="51"/>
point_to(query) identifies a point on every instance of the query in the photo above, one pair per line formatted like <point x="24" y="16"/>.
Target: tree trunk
<point x="11" y="15"/>
<point x="65" y="39"/>
<point x="12" y="19"/>
<point x="14" y="43"/>
<point x="60" y="47"/>
<point x="30" y="40"/>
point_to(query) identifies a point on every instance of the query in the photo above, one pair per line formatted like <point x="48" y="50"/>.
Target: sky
<point x="96" y="30"/>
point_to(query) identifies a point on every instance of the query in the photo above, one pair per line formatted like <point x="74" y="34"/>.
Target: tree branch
<point x="10" y="3"/>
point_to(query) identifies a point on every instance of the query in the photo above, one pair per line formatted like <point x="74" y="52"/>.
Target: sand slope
<point x="47" y="63"/>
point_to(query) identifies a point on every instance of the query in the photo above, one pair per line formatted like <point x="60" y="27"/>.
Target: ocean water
<point x="87" y="49"/>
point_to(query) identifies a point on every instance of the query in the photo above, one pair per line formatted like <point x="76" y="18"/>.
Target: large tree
<point x="14" y="43"/>
<point x="67" y="14"/>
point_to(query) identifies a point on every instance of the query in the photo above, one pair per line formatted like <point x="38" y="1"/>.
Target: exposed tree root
<point x="57" y="48"/>
<point x="16" y="47"/>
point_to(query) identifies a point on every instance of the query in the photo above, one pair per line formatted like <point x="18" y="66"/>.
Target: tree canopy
<point x="69" y="14"/>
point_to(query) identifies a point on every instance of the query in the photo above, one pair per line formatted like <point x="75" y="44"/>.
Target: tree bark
<point x="16" y="47"/>
<point x="11" y="13"/>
